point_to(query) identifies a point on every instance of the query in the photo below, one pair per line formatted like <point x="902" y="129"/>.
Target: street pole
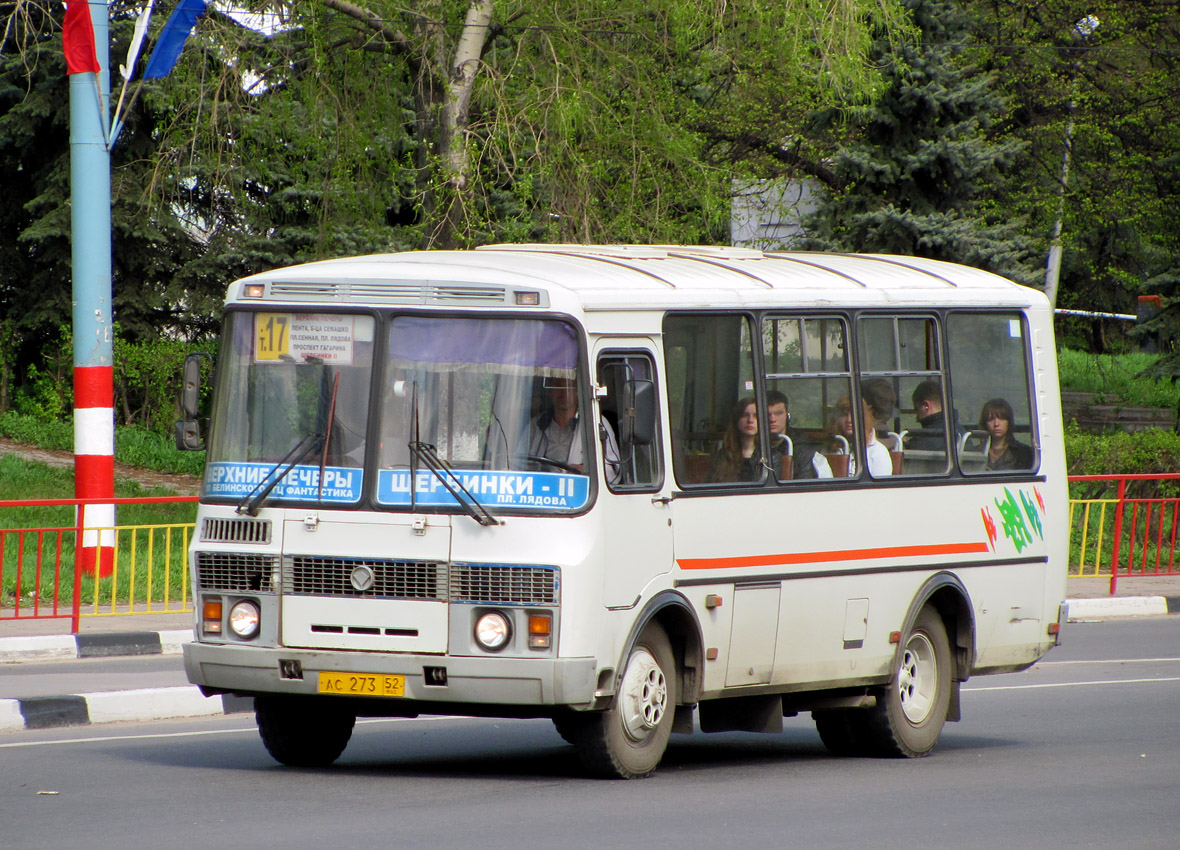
<point x="1082" y="29"/>
<point x="90" y="196"/>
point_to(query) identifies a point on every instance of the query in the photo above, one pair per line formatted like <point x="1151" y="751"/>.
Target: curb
<point x="1122" y="606"/>
<point x="114" y="706"/>
<point x="98" y="645"/>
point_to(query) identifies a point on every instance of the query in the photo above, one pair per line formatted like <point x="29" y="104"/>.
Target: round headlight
<point x="244" y="618"/>
<point x="492" y="631"/>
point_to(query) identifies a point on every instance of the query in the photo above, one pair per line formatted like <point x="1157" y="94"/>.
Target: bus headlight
<point x="244" y="618"/>
<point x="492" y="631"/>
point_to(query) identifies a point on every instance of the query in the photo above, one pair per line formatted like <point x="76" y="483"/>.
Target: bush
<point x="1116" y="378"/>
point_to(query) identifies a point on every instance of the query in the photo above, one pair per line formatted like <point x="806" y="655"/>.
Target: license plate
<point x="362" y="684"/>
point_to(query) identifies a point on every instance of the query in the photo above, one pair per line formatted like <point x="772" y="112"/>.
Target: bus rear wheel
<point x="628" y="740"/>
<point x="910" y="715"/>
<point x="303" y="731"/>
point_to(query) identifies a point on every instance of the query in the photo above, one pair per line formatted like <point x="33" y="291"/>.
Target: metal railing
<point x="1125" y="526"/>
<point x="43" y="577"/>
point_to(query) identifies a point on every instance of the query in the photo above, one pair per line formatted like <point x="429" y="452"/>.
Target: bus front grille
<point x="504" y="585"/>
<point x="221" y="530"/>
<point x="235" y="571"/>
<point x="364" y="578"/>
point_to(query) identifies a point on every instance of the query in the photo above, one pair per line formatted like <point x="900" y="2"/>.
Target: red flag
<point x="77" y="39"/>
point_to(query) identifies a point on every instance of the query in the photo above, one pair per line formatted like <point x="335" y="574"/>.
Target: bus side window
<point x="989" y="370"/>
<point x="631" y="410"/>
<point x="709" y="362"/>
<point x="904" y="351"/>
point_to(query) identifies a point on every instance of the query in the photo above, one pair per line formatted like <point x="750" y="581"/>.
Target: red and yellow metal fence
<point x="1123" y="526"/>
<point x="1120" y="526"/>
<point x="147" y="574"/>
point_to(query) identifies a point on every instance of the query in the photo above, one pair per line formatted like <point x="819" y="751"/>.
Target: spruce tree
<point x="923" y="176"/>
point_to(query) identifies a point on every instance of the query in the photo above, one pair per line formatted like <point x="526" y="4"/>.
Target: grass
<point x="1114" y="378"/>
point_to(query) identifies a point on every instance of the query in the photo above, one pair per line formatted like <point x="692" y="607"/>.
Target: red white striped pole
<point x="94" y="465"/>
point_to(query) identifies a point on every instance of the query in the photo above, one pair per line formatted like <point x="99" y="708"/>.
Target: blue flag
<point x="172" y="37"/>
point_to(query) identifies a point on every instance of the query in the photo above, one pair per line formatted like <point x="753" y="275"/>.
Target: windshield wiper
<point x="428" y="456"/>
<point x="305" y="448"/>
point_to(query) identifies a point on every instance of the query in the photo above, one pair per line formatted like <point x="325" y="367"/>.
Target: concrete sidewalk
<point x="165" y="634"/>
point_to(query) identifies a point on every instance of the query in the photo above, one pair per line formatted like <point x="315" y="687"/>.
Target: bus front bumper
<point x="494" y="680"/>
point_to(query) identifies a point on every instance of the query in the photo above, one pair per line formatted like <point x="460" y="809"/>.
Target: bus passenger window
<point x="716" y="435"/>
<point x="989" y="367"/>
<point x="808" y="385"/>
<point x="631" y="409"/>
<point x="903" y="351"/>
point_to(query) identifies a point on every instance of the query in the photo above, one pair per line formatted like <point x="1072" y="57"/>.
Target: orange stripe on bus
<point x="838" y="555"/>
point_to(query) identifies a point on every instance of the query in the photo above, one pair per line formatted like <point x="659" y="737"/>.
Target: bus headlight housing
<point x="493" y="631"/>
<point x="244" y="619"/>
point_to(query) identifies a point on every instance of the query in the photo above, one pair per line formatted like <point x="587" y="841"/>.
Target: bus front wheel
<point x="628" y="740"/>
<point x="302" y="731"/>
<point x="910" y="715"/>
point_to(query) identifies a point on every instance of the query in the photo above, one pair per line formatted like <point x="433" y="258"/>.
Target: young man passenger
<point x="778" y="418"/>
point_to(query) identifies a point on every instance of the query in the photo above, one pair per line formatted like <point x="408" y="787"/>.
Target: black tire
<point x="628" y="740"/>
<point x="569" y="724"/>
<point x="303" y="731"/>
<point x="910" y="715"/>
<point x="844" y="731"/>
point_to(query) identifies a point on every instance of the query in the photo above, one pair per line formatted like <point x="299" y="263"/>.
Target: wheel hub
<point x="643" y="695"/>
<point x="917" y="679"/>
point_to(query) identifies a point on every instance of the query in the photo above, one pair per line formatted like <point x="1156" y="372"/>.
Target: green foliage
<point x="1148" y="452"/>
<point x="147" y="379"/>
<point x="1117" y="378"/>
<point x="54" y="434"/>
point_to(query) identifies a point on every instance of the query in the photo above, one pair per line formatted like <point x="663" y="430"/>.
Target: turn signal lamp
<point x="211" y="616"/>
<point x="528" y="299"/>
<point x="540" y="631"/>
<point x="254" y="290"/>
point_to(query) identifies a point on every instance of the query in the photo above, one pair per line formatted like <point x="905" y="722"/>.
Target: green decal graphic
<point x="1034" y="516"/>
<point x="1012" y="521"/>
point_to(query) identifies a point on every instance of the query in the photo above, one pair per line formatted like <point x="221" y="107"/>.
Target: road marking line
<point x="1107" y="661"/>
<point x="196" y="734"/>
<point x="1071" y="684"/>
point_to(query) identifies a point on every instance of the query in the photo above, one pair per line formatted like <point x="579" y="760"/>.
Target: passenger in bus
<point x="877" y="400"/>
<point x="806" y="462"/>
<point x="556" y="433"/>
<point x="740" y="458"/>
<point x="927" y="399"/>
<point x="1004" y="450"/>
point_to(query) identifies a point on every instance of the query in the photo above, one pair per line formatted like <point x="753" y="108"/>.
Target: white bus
<point x="636" y="490"/>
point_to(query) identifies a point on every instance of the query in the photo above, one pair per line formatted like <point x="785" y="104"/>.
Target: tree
<point x="925" y="175"/>
<point x="1106" y="90"/>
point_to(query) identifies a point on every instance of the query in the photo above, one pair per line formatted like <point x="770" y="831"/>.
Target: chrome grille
<point x="506" y="585"/>
<point x="310" y="575"/>
<point x="236" y="530"/>
<point x="235" y="571"/>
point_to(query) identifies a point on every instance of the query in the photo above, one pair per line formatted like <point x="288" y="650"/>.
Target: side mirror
<point x="189" y="436"/>
<point x="639" y="413"/>
<point x="190" y="387"/>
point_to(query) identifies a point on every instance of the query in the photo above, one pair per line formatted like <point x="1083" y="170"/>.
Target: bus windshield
<point x="483" y="405"/>
<point x="484" y="394"/>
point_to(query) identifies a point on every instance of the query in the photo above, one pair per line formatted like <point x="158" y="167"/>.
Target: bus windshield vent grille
<point x="504" y="585"/>
<point x="233" y="571"/>
<point x="236" y="531"/>
<point x="484" y="294"/>
<point x="364" y="578"/>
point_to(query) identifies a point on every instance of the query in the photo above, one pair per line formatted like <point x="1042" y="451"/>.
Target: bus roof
<point x="641" y="277"/>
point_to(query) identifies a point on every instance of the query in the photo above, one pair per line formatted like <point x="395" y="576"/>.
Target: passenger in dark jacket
<point x="927" y="399"/>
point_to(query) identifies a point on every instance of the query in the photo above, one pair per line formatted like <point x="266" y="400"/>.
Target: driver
<point x="556" y="433"/>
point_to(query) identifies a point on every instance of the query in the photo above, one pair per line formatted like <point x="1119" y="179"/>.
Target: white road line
<point x="1071" y="684"/>
<point x="1108" y="661"/>
<point x="197" y="734"/>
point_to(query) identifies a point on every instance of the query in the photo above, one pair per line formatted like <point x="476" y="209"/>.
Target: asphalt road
<point x="1082" y="751"/>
